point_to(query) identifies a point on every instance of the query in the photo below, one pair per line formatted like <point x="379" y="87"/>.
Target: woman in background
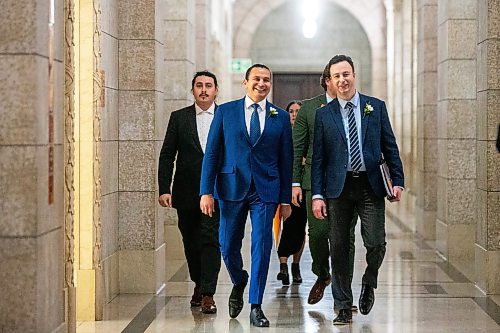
<point x="294" y="228"/>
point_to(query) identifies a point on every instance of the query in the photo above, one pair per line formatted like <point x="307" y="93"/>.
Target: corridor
<point x="418" y="292"/>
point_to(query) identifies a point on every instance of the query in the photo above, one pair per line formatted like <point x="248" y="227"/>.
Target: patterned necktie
<point x="353" y="138"/>
<point x="254" y="124"/>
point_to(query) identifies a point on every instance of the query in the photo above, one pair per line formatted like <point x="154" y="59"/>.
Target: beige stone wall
<point x="109" y="146"/>
<point x="31" y="229"/>
<point x="140" y="108"/>
<point x="487" y="247"/>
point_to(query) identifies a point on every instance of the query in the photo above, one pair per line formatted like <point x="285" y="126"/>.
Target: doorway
<point x="290" y="86"/>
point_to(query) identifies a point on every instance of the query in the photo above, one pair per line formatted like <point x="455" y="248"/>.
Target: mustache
<point x="203" y="95"/>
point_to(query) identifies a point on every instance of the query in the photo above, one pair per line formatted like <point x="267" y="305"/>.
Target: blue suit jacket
<point x="230" y="161"/>
<point x="330" y="150"/>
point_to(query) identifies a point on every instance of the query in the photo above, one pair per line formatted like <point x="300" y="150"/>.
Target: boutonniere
<point x="322" y="105"/>
<point x="367" y="110"/>
<point x="273" y="112"/>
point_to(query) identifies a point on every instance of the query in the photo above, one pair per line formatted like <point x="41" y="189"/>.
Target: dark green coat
<point x="303" y="135"/>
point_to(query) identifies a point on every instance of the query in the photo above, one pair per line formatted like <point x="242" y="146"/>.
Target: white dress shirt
<point x="357" y="115"/>
<point x="203" y="121"/>
<point x="261" y="111"/>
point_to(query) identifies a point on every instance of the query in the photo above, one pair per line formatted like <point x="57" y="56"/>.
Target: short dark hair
<point x="325" y="75"/>
<point x="339" y="58"/>
<point x="292" y="103"/>
<point x="204" y="73"/>
<point x="247" y="74"/>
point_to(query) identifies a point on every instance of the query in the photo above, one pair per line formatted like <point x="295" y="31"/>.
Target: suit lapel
<point x="240" y="117"/>
<point x="334" y="109"/>
<point x="364" y="119"/>
<point x="191" y="114"/>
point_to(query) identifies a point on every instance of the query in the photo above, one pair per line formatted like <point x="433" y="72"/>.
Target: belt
<point x="356" y="174"/>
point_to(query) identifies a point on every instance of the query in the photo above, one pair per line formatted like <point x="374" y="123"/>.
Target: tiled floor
<point x="418" y="292"/>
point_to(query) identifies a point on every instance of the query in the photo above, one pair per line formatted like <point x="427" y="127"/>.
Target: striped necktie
<point x="254" y="124"/>
<point x="353" y="138"/>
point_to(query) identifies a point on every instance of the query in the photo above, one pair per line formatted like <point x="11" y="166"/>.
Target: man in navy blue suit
<point x="351" y="135"/>
<point x="248" y="168"/>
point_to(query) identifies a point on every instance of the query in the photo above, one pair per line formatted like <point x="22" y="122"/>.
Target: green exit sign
<point x="240" y="65"/>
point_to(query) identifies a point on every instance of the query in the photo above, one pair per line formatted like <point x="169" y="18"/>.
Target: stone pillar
<point x="487" y="247"/>
<point x="109" y="145"/>
<point x="457" y="108"/>
<point x="140" y="232"/>
<point x="203" y="49"/>
<point x="427" y="138"/>
<point x="31" y="168"/>
<point x="179" y="67"/>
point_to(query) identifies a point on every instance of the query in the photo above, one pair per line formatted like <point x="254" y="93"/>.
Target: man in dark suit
<point x="248" y="168"/>
<point x="303" y="137"/>
<point x="351" y="135"/>
<point x="186" y="138"/>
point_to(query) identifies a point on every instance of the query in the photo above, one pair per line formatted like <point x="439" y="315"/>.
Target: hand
<point x="397" y="194"/>
<point x="296" y="195"/>
<point x="285" y="211"/>
<point x="319" y="209"/>
<point x="165" y="200"/>
<point x="207" y="204"/>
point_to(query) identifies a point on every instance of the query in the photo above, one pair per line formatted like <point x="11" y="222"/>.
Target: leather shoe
<point x="317" y="291"/>
<point x="297" y="278"/>
<point x="283" y="275"/>
<point x="196" y="298"/>
<point x="366" y="299"/>
<point x="257" y="318"/>
<point x="344" y="317"/>
<point x="236" y="301"/>
<point x="208" y="305"/>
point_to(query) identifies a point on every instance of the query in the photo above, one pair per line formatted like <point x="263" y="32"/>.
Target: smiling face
<point x="258" y="85"/>
<point x="344" y="79"/>
<point x="204" y="91"/>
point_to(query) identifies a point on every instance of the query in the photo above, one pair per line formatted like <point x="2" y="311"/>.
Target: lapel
<point x="364" y="119"/>
<point x="240" y="117"/>
<point x="334" y="109"/>
<point x="191" y="115"/>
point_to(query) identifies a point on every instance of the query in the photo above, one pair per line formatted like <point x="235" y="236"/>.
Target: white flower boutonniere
<point x="322" y="105"/>
<point x="273" y="112"/>
<point x="367" y="110"/>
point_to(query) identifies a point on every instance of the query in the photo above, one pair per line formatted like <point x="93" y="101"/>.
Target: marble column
<point x="487" y="247"/>
<point x="31" y="168"/>
<point x="109" y="144"/>
<point x="140" y="101"/>
<point x="457" y="109"/>
<point x="203" y="45"/>
<point x="179" y="40"/>
<point x="427" y="138"/>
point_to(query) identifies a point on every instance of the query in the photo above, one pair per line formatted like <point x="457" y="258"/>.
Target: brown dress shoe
<point x="317" y="291"/>
<point x="208" y="305"/>
<point x="196" y="298"/>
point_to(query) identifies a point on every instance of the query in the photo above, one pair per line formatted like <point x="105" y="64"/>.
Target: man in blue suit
<point x="351" y="135"/>
<point x="248" y="168"/>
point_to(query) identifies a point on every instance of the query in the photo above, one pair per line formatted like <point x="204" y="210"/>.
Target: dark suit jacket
<point x="303" y="137"/>
<point x="181" y="140"/>
<point x="231" y="162"/>
<point x="330" y="153"/>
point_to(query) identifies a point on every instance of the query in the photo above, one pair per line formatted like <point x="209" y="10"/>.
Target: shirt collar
<point x="249" y="103"/>
<point x="354" y="100"/>
<point x="199" y="110"/>
<point x="328" y="98"/>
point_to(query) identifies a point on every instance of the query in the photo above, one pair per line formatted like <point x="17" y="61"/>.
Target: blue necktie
<point x="353" y="138"/>
<point x="254" y="124"/>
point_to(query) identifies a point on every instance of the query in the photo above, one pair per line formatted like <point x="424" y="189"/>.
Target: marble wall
<point x="31" y="227"/>
<point x="139" y="231"/>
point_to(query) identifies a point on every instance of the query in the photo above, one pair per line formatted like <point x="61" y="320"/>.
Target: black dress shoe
<point x="366" y="299"/>
<point x="257" y="318"/>
<point x="236" y="301"/>
<point x="344" y="317"/>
